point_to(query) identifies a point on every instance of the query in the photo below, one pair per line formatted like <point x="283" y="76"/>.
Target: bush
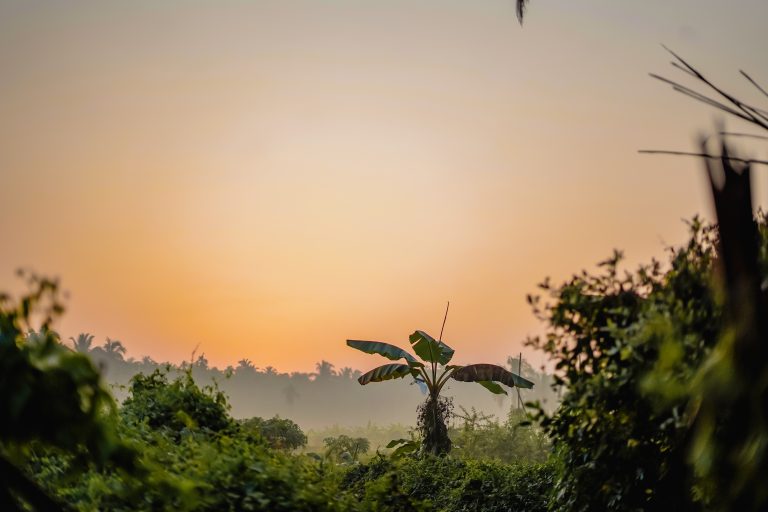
<point x="458" y="485"/>
<point x="194" y="457"/>
<point x="627" y="347"/>
<point x="482" y="437"/>
<point x="279" y="433"/>
<point x="175" y="406"/>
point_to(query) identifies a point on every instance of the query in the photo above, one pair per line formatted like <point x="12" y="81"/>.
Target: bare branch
<point x="747" y="135"/>
<point x="747" y="161"/>
<point x="748" y="110"/>
<point x="752" y="81"/>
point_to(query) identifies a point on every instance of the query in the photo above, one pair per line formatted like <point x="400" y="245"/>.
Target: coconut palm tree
<point x="83" y="342"/>
<point x="324" y="370"/>
<point x="114" y="349"/>
<point x="245" y="366"/>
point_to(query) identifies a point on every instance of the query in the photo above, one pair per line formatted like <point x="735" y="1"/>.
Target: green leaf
<point x="492" y="372"/>
<point x="429" y="349"/>
<point x="405" y="446"/>
<point x="396" y="442"/>
<point x="492" y="387"/>
<point x="383" y="349"/>
<point x="386" y="372"/>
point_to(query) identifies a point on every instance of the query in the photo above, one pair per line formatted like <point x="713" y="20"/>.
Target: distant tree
<point x="40" y="336"/>
<point x="324" y="370"/>
<point x="344" y="448"/>
<point x="201" y="362"/>
<point x="290" y="394"/>
<point x="245" y="366"/>
<point x="114" y="349"/>
<point x="280" y="433"/>
<point x="83" y="342"/>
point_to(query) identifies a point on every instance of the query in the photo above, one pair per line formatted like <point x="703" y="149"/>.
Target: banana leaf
<point x="383" y="349"/>
<point x="386" y="372"/>
<point x="429" y="349"/>
<point x="490" y="372"/>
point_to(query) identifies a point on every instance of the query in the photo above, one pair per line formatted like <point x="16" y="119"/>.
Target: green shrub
<point x="459" y="485"/>
<point x="279" y="433"/>
<point x="627" y="348"/>
<point x="482" y="437"/>
<point x="175" y="406"/>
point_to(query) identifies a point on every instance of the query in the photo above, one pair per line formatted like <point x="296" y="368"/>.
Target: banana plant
<point x="433" y="371"/>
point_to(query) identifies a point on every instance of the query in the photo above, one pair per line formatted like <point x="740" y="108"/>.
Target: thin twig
<point x="748" y="112"/>
<point x="703" y="98"/>
<point x="758" y="86"/>
<point x="747" y="135"/>
<point x="747" y="161"/>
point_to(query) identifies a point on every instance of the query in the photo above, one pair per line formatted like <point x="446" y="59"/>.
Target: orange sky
<point x="268" y="178"/>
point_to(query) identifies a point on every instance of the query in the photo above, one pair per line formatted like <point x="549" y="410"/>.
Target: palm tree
<point x="324" y="370"/>
<point x="83" y="342"/>
<point x="114" y="349"/>
<point x="434" y="376"/>
<point x="245" y="366"/>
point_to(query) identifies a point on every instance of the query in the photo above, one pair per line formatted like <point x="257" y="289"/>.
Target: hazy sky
<point x="269" y="178"/>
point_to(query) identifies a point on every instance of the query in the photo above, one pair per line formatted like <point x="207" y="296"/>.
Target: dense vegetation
<point x="628" y="346"/>
<point x="194" y="456"/>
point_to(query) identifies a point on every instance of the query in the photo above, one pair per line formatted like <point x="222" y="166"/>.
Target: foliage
<point x="202" y="469"/>
<point x="198" y="458"/>
<point x="483" y="437"/>
<point x="50" y="397"/>
<point x="346" y="449"/>
<point x="280" y="433"/>
<point x="630" y="349"/>
<point x="729" y="431"/>
<point x="175" y="406"/>
<point x="444" y="483"/>
<point x="434" y="413"/>
<point x="378" y="435"/>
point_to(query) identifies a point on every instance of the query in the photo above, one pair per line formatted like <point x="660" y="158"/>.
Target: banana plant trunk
<point x="436" y="440"/>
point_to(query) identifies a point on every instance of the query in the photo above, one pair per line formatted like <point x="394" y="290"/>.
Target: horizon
<point x="266" y="180"/>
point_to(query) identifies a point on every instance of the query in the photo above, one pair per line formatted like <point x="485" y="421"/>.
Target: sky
<point x="266" y="179"/>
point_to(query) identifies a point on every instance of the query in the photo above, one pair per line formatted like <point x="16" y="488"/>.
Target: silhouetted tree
<point x="114" y="349"/>
<point x="83" y="342"/>
<point x="324" y="370"/>
<point x="245" y="366"/>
